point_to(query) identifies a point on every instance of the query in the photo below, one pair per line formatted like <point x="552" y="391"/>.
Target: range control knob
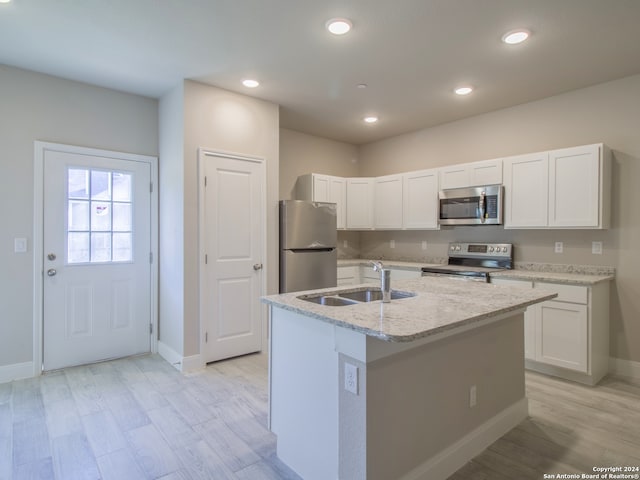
<point x="504" y="249"/>
<point x="457" y="248"/>
<point x="452" y="248"/>
<point x="491" y="249"/>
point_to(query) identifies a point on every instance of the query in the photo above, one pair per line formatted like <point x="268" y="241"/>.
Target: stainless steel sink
<point x="353" y="298"/>
<point x="372" y="295"/>
<point x="329" y="300"/>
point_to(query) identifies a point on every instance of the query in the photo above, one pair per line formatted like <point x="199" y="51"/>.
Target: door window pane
<point x="78" y="215"/>
<point x="100" y="185"/>
<point x="99" y="216"/>
<point x="121" y="217"/>
<point x="100" y="247"/>
<point x="78" y="183"/>
<point x="121" y="187"/>
<point x="122" y="251"/>
<point x="78" y="247"/>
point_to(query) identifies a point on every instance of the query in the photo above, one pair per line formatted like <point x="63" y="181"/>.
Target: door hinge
<point x="206" y="259"/>
<point x="206" y="337"/>
<point x="151" y="328"/>
<point x="151" y="187"/>
<point x="205" y="181"/>
<point x="150" y="257"/>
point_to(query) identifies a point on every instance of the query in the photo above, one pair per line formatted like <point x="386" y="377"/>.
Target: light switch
<point x="20" y="245"/>
<point x="559" y="247"/>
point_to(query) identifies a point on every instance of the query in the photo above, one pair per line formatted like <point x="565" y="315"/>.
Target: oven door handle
<point x="482" y="206"/>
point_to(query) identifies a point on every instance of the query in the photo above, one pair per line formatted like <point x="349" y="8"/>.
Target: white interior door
<point x="97" y="258"/>
<point x="232" y="230"/>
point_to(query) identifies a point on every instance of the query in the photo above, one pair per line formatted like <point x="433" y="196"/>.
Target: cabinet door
<point x="561" y="335"/>
<point x="321" y="188"/>
<point x="486" y="172"/>
<point x="526" y="190"/>
<point x="454" y="176"/>
<point x="420" y="200"/>
<point x="388" y="202"/>
<point x="338" y="195"/>
<point x="360" y="203"/>
<point x="574" y="187"/>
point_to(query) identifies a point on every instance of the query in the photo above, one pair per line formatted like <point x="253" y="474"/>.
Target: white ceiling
<point x="410" y="53"/>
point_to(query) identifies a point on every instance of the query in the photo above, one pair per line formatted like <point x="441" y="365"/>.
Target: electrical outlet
<point x="473" y="396"/>
<point x="424" y="244"/>
<point x="351" y="378"/>
<point x="596" y="248"/>
<point x="559" y="247"/>
<point x="392" y="244"/>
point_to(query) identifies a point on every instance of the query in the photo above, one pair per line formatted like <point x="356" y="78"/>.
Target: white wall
<point x="40" y="107"/>
<point x="171" y="222"/>
<point x="608" y="113"/>
<point x="214" y="119"/>
<point x="301" y="153"/>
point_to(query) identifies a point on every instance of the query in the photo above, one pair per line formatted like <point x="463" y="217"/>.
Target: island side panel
<point x="303" y="400"/>
<point x="417" y="402"/>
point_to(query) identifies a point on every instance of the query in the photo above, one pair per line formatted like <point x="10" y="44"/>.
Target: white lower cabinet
<point x="568" y="336"/>
<point x="561" y="335"/>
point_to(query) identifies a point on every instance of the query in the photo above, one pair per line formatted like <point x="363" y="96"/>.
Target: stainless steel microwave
<point x="472" y="205"/>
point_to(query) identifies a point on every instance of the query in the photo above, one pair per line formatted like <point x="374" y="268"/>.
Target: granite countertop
<point x="553" y="277"/>
<point x="440" y="305"/>
<point x="540" y="272"/>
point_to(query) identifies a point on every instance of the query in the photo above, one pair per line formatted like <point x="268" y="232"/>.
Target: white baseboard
<point x="452" y="458"/>
<point x="192" y="363"/>
<point x="16" y="371"/>
<point x="183" y="364"/>
<point x="625" y="368"/>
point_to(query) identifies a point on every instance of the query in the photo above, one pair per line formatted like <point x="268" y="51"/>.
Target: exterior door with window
<point x="97" y="265"/>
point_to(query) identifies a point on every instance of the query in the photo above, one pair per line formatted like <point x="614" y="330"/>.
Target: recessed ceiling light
<point x="249" y="83"/>
<point x="5" y="1"/>
<point x="361" y="85"/>
<point x="516" y="36"/>
<point x="463" y="90"/>
<point x="339" y="26"/>
<point x="370" y="119"/>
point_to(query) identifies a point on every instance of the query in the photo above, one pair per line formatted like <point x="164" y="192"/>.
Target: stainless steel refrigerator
<point x="308" y="254"/>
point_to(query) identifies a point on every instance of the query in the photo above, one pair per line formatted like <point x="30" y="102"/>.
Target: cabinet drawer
<point x="566" y="293"/>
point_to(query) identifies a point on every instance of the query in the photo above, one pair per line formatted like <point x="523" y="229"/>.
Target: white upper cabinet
<point x="316" y="187"/>
<point x="420" y="199"/>
<point x="486" y="172"/>
<point x="360" y="202"/>
<point x="526" y="190"/>
<point x="577" y="184"/>
<point x="567" y="188"/>
<point x="388" y="202"/>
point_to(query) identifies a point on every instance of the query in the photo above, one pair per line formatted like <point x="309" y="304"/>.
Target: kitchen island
<point x="410" y="389"/>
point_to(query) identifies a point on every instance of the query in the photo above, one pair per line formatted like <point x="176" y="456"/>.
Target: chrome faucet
<point x="385" y="280"/>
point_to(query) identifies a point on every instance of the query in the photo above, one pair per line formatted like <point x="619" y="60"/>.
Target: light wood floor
<point x="139" y="418"/>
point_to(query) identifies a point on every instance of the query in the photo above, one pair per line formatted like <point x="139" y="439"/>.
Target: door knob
<point x="51" y="256"/>
<point x="51" y="272"/>
<point x="257" y="266"/>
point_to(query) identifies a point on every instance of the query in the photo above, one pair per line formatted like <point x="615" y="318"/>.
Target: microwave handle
<point x="482" y="206"/>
